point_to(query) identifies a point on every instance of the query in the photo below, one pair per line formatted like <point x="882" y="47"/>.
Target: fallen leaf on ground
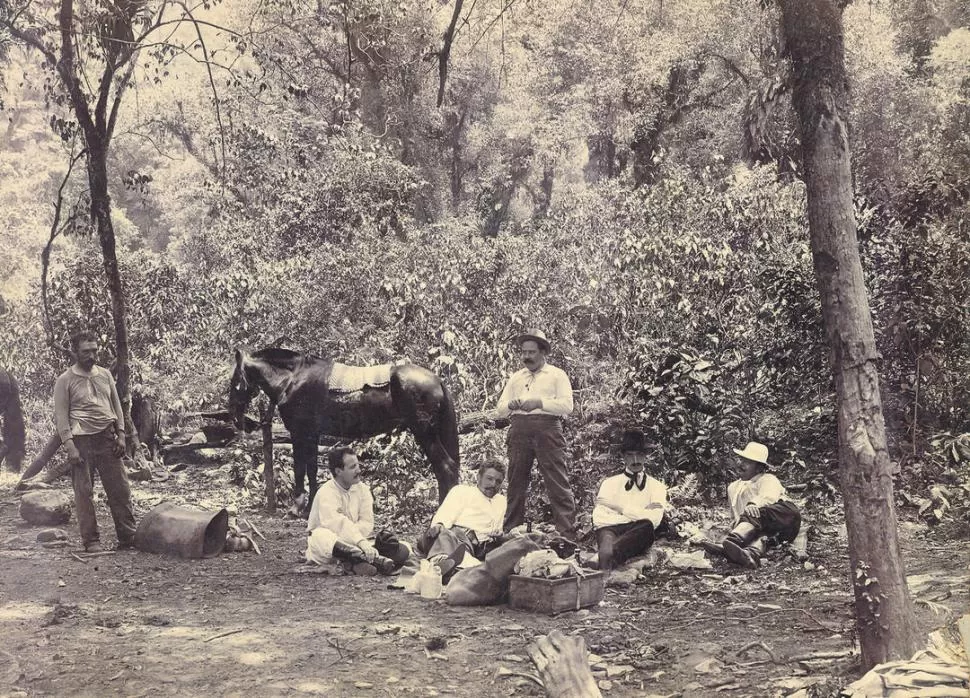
<point x="709" y="666"/>
<point x="618" y="669"/>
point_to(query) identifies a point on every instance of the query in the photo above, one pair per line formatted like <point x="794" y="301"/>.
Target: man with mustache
<point x="470" y="519"/>
<point x="629" y="506"/>
<point x="341" y="523"/>
<point x="535" y="399"/>
<point x="91" y="425"/>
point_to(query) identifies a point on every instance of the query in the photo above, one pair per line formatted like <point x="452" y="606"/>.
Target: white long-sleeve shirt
<point x="617" y="505"/>
<point x="761" y="490"/>
<point x="549" y="384"/>
<point x="348" y="513"/>
<point x="468" y="507"/>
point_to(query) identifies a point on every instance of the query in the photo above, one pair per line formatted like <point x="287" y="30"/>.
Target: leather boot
<point x="757" y="549"/>
<point x="736" y="545"/>
<point x="355" y="559"/>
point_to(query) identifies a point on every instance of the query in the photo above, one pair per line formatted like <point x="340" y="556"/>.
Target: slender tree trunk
<point x="884" y="614"/>
<point x="101" y="213"/>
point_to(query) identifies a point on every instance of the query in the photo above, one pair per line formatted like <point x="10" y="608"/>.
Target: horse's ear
<point x="240" y="358"/>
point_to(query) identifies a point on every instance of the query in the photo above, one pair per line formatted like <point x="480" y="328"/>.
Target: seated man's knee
<point x="398" y="553"/>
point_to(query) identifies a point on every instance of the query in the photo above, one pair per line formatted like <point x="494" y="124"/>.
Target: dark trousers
<point x="448" y="540"/>
<point x="617" y="544"/>
<point x="97" y="455"/>
<point x="388" y="545"/>
<point x="539" y="438"/>
<point x="780" y="520"/>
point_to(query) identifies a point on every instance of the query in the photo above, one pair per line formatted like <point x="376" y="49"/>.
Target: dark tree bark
<point x="884" y="613"/>
<point x="445" y="54"/>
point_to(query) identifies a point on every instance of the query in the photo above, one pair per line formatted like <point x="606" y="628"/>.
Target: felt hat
<point x="755" y="452"/>
<point x="635" y="441"/>
<point x="537" y="336"/>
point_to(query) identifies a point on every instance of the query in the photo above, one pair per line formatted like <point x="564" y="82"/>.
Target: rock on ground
<point x="46" y="508"/>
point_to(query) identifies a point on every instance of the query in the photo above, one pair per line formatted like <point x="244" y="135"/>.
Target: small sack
<point x="489" y="583"/>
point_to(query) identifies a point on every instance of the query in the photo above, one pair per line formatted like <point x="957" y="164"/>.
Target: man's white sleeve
<point x="768" y="491"/>
<point x="447" y="513"/>
<point x="561" y="404"/>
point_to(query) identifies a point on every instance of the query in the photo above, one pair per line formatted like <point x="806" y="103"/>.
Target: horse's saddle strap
<point x="348" y="379"/>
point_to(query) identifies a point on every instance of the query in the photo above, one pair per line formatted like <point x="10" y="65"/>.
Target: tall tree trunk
<point x="884" y="614"/>
<point x="101" y="214"/>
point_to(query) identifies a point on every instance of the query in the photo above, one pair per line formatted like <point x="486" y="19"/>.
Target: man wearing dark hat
<point x="629" y="506"/>
<point x="760" y="507"/>
<point x="535" y="399"/>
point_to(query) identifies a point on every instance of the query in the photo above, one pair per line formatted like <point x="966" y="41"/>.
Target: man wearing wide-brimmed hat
<point x="760" y="507"/>
<point x="536" y="398"/>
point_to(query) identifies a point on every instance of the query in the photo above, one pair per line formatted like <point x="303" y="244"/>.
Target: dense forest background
<point x="380" y="180"/>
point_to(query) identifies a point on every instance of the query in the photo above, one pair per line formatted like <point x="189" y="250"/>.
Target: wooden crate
<point x="556" y="595"/>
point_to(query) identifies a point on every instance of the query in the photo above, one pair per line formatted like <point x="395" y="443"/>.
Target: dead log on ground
<point x="563" y="666"/>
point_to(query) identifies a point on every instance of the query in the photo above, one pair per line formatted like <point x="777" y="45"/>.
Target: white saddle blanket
<point x="349" y="379"/>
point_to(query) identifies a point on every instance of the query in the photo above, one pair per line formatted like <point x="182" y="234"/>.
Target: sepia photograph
<point x="485" y="348"/>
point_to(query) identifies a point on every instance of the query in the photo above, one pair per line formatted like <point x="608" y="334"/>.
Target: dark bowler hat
<point x="537" y="336"/>
<point x="635" y="441"/>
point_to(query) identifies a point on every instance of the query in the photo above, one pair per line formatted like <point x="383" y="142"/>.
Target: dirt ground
<point x="137" y="624"/>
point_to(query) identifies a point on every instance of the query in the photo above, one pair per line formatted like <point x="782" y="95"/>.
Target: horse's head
<point x="241" y="391"/>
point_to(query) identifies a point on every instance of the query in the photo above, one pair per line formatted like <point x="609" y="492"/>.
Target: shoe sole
<point x="738" y="555"/>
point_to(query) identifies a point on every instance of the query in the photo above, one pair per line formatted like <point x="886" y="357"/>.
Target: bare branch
<point x="212" y="83"/>
<point x="491" y="24"/>
<point x="56" y="229"/>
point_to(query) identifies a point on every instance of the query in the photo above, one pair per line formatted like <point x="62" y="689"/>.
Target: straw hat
<point x="754" y="451"/>
<point x="537" y="336"/>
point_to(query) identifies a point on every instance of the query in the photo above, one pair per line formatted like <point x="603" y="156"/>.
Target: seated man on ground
<point x="470" y="519"/>
<point x="629" y="506"/>
<point x="341" y="523"/>
<point x="760" y="508"/>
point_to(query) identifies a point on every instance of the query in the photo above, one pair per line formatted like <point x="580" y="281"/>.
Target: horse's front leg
<point x="304" y="464"/>
<point x="442" y="463"/>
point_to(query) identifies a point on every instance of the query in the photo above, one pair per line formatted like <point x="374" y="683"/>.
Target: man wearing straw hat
<point x="760" y="507"/>
<point x="535" y="399"/>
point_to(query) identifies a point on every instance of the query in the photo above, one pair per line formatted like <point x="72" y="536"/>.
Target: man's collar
<point x="78" y="371"/>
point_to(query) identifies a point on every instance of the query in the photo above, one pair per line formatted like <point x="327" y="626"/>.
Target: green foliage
<point x="335" y="209"/>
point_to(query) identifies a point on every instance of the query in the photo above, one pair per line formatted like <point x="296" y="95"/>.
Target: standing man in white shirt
<point x="535" y="399"/>
<point x="341" y="523"/>
<point x="91" y="425"/>
<point x="760" y="508"/>
<point x="470" y="516"/>
<point x="629" y="506"/>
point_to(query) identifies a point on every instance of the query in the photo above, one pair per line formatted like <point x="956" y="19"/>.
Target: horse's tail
<point x="14" y="431"/>
<point x="448" y="429"/>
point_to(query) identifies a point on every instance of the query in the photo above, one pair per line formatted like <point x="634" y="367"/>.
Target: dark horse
<point x="301" y="387"/>
<point x="14" y="434"/>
